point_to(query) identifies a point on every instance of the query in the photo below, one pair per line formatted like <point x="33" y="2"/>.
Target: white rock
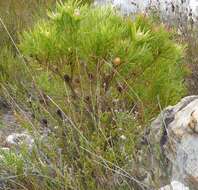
<point x="176" y="130"/>
<point x="19" y="138"/>
<point x="175" y="185"/>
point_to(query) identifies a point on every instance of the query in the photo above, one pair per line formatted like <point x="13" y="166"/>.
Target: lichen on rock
<point x="180" y="140"/>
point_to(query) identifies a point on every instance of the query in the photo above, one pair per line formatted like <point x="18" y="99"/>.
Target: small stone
<point x="16" y="139"/>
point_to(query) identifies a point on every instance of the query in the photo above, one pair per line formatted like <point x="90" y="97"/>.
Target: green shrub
<point x="96" y="77"/>
<point x="79" y="41"/>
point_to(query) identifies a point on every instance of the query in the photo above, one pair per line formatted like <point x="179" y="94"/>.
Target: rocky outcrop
<point x="176" y="132"/>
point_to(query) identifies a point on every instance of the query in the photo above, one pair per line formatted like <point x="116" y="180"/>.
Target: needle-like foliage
<point x="148" y="66"/>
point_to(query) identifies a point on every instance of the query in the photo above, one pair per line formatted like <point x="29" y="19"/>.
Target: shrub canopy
<point x="148" y="67"/>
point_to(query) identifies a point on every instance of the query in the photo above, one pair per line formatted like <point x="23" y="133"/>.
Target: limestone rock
<point x="175" y="185"/>
<point x="16" y="139"/>
<point x="176" y="131"/>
